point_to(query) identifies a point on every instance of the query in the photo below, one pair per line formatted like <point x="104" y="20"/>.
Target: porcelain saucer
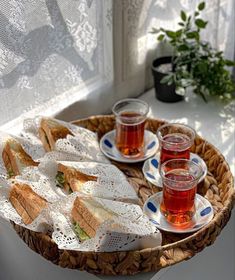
<point x="204" y="214"/>
<point x="151" y="168"/>
<point x="107" y="146"/>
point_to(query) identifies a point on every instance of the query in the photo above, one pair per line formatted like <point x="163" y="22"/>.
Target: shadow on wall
<point x="38" y="44"/>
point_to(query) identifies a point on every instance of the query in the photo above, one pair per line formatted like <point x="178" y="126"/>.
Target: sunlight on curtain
<point x="54" y="53"/>
<point x="51" y="52"/>
<point x="140" y="46"/>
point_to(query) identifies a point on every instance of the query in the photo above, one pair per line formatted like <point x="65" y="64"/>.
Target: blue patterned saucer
<point x="204" y="214"/>
<point x="107" y="146"/>
<point x="151" y="168"/>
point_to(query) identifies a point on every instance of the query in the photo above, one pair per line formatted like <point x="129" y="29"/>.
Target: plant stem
<point x="202" y="95"/>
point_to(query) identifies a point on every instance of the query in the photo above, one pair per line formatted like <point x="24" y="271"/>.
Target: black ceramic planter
<point x="164" y="92"/>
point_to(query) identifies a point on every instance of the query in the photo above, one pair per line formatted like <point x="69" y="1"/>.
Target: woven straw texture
<point x="218" y="188"/>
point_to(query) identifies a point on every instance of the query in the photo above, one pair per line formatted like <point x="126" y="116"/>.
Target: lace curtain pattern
<point x="47" y="47"/>
<point x="53" y="50"/>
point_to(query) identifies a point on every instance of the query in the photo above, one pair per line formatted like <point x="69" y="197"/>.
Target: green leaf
<point x="155" y="30"/>
<point x="202" y="94"/>
<point x="178" y="33"/>
<point x="160" y="37"/>
<point x="185" y="82"/>
<point x="172" y="42"/>
<point x="181" y="23"/>
<point x="229" y="63"/>
<point x="170" y="82"/>
<point x="162" y="29"/>
<point x="170" y="34"/>
<point x="167" y="79"/>
<point x="183" y="15"/>
<point x="219" y="54"/>
<point x="183" y="48"/>
<point x="201" y="6"/>
<point x="202" y="67"/>
<point x="200" y="23"/>
<point x="60" y="179"/>
<point x="180" y="91"/>
<point x="196" y="14"/>
<point x="192" y="35"/>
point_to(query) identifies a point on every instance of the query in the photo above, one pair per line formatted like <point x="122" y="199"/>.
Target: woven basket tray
<point x="218" y="188"/>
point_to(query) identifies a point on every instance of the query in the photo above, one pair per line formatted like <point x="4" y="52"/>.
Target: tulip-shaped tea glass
<point x="179" y="178"/>
<point x="130" y="117"/>
<point x="175" y="141"/>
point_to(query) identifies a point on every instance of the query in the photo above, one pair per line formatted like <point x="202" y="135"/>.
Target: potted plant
<point x="195" y="63"/>
<point x="165" y="91"/>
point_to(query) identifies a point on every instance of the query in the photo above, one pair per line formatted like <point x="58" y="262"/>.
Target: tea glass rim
<point x="181" y="160"/>
<point x="160" y="138"/>
<point x="144" y="115"/>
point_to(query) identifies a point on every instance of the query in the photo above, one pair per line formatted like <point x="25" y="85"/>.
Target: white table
<point x="213" y="122"/>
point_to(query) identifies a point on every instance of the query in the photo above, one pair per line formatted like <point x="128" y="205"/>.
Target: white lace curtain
<point x="50" y="51"/>
<point x="74" y="58"/>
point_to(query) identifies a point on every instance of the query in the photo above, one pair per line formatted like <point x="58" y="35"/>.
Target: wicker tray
<point x="218" y="188"/>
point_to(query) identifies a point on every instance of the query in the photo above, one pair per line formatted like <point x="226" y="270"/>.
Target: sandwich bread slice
<point x="50" y="131"/>
<point x="71" y="179"/>
<point x="15" y="158"/>
<point x="27" y="203"/>
<point x="87" y="216"/>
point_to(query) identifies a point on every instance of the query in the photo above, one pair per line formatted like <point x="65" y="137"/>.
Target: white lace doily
<point x="83" y="145"/>
<point x="33" y="148"/>
<point x="111" y="182"/>
<point x="41" y="224"/>
<point x="128" y="230"/>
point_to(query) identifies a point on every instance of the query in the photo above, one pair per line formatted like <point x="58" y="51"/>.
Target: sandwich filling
<point x="87" y="216"/>
<point x="8" y="165"/>
<point x="61" y="182"/>
<point x="71" y="179"/>
<point x="15" y="158"/>
<point x="81" y="234"/>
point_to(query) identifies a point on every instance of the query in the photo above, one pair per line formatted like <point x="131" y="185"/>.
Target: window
<point x="52" y="53"/>
<point x="77" y="57"/>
